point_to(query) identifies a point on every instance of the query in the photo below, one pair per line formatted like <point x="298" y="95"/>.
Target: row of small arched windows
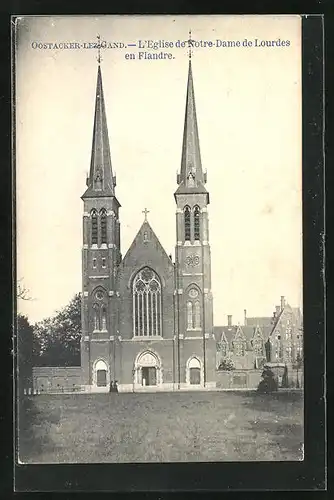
<point x="99" y="226"/>
<point x="192" y="219"/>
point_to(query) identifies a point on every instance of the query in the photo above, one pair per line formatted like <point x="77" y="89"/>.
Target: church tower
<point x="101" y="256"/>
<point x="195" y="341"/>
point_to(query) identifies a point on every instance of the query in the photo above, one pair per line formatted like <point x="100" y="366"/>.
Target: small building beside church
<point x="275" y="339"/>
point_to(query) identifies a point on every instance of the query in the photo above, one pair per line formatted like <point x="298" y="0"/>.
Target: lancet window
<point x="94" y="227"/>
<point x="197" y="227"/>
<point x="146" y="293"/>
<point x="100" y="311"/>
<point x="258" y="347"/>
<point x="187" y="224"/>
<point x="103" y="223"/>
<point x="193" y="309"/>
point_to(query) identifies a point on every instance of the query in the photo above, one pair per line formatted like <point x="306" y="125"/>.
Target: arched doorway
<point x="147" y="371"/>
<point x="100" y="374"/>
<point x="194" y="372"/>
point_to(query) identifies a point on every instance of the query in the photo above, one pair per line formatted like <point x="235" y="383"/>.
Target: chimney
<point x="245" y="317"/>
<point x="229" y="320"/>
<point x="278" y="310"/>
<point x="282" y="302"/>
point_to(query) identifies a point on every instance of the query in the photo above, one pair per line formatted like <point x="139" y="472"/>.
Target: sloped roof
<point x="247" y="331"/>
<point x="259" y="320"/>
<point x="152" y="240"/>
<point x="295" y="311"/>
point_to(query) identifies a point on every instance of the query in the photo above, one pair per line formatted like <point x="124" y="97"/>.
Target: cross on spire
<point x="99" y="58"/>
<point x="190" y="44"/>
<point x="145" y="211"/>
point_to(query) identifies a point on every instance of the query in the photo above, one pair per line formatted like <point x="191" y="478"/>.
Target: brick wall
<point x="238" y="379"/>
<point x="249" y="379"/>
<point x="46" y="378"/>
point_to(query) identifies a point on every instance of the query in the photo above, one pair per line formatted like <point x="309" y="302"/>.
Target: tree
<point x="24" y="353"/>
<point x="226" y="364"/>
<point x="57" y="339"/>
<point x="22" y="292"/>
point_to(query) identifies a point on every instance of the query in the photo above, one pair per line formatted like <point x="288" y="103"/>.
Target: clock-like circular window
<point x="99" y="295"/>
<point x="193" y="293"/>
<point x="192" y="260"/>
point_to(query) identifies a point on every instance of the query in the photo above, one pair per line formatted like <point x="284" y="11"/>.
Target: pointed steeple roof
<point x="191" y="178"/>
<point x="101" y="181"/>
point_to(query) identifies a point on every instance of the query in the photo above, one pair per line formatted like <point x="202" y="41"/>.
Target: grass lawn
<point x="162" y="427"/>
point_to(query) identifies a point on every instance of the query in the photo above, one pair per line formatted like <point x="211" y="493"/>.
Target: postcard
<point x="159" y="239"/>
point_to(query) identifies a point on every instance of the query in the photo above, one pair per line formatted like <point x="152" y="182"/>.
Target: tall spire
<point x="100" y="181"/>
<point x="191" y="177"/>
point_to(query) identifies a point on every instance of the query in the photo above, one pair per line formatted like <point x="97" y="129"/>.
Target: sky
<point x="248" y="102"/>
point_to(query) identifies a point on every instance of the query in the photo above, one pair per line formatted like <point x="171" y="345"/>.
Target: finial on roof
<point x="145" y="211"/>
<point x="99" y="58"/>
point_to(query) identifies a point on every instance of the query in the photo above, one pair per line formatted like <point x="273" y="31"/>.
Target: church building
<point x="147" y="322"/>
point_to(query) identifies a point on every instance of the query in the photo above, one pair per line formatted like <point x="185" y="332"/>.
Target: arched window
<point x="96" y="316"/>
<point x="187" y="224"/>
<point x="278" y="348"/>
<point x="239" y="348"/>
<point x="94" y="227"/>
<point x="99" y="309"/>
<point x="189" y="315"/>
<point x="223" y="348"/>
<point x="197" y="314"/>
<point x="103" y="221"/>
<point x="193" y="309"/>
<point x="258" y="347"/>
<point x="146" y="292"/>
<point x="197" y="231"/>
<point x="103" y="318"/>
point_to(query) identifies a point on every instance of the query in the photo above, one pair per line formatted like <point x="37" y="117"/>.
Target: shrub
<point x="226" y="364"/>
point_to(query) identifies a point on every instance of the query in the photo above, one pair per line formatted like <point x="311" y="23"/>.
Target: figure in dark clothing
<point x="115" y="388"/>
<point x="268" y="383"/>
